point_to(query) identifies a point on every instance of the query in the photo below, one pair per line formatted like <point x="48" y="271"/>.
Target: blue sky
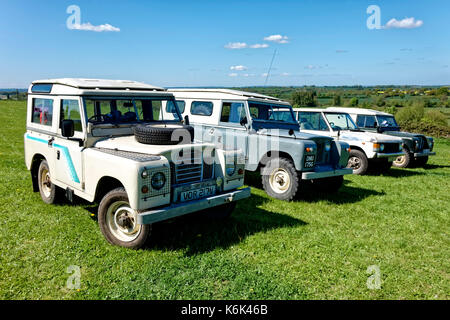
<point x="188" y="43"/>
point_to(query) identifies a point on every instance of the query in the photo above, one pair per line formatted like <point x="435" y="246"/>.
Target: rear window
<point x="42" y="112"/>
<point x="180" y="104"/>
<point x="202" y="108"/>
<point x="41" y="88"/>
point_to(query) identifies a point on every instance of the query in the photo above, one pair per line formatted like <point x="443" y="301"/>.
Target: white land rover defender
<point x="124" y="144"/>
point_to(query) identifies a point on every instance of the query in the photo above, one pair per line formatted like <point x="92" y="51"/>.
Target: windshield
<point x="271" y="112"/>
<point x="387" y="121"/>
<point x="340" y="121"/>
<point x="126" y="110"/>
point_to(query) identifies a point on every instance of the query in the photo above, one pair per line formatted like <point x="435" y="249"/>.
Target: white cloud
<point x="233" y="75"/>
<point x="278" y="38"/>
<point x="101" y="28"/>
<point x="285" y="74"/>
<point x="238" y="68"/>
<point x="236" y="45"/>
<point x="264" y="74"/>
<point x="407" y="23"/>
<point x="259" y="46"/>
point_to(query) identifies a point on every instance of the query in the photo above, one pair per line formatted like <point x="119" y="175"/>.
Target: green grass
<point x="316" y="248"/>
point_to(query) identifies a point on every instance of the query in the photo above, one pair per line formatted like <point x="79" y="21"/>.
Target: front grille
<point x="322" y="157"/>
<point x="192" y="169"/>
<point x="423" y="144"/>
<point x="391" y="148"/>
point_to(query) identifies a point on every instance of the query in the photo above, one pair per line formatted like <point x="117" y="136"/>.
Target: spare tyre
<point x="164" y="133"/>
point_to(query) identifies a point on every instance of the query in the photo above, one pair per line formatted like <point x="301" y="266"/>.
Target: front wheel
<point x="403" y="161"/>
<point x="358" y="161"/>
<point x="280" y="179"/>
<point x="118" y="222"/>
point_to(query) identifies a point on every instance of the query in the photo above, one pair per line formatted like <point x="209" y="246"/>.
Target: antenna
<point x="270" y="68"/>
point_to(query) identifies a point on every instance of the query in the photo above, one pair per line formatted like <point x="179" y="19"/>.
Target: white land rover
<point x="124" y="144"/>
<point x="366" y="148"/>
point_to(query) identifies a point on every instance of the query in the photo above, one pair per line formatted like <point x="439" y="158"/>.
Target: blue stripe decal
<point x="66" y="153"/>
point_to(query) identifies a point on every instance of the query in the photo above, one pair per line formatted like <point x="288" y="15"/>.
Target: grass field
<point x="319" y="247"/>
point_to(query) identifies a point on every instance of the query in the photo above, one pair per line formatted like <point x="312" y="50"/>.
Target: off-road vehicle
<point x="264" y="128"/>
<point x="115" y="142"/>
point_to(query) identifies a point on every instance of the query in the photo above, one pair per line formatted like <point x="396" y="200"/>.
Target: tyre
<point x="280" y="179"/>
<point x="329" y="185"/>
<point x="163" y="134"/>
<point x="47" y="189"/>
<point x="358" y="161"/>
<point x="403" y="161"/>
<point x="421" y="162"/>
<point x="118" y="222"/>
<point x="221" y="212"/>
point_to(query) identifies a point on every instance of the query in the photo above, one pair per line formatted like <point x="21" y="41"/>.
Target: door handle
<point x="211" y="131"/>
<point x="50" y="141"/>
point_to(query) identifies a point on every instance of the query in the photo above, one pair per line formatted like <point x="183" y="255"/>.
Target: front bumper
<point x="424" y="154"/>
<point x="179" y="209"/>
<point x="326" y="173"/>
<point x="389" y="155"/>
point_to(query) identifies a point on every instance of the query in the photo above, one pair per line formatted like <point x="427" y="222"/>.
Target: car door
<point x="69" y="152"/>
<point x="230" y="133"/>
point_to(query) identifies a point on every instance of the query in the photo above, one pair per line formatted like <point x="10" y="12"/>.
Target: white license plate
<point x="197" y="193"/>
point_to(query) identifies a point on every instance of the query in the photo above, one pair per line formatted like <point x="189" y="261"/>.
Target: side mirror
<point x="243" y="121"/>
<point x="186" y="120"/>
<point x="67" y="128"/>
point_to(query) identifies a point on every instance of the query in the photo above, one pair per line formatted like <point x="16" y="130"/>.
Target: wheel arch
<point x="268" y="155"/>
<point x="105" y="185"/>
<point x="34" y="170"/>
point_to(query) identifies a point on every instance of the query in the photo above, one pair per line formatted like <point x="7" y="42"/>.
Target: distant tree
<point x="304" y="98"/>
<point x="442" y="91"/>
<point x="337" y="100"/>
<point x="354" y="102"/>
<point x="379" y="101"/>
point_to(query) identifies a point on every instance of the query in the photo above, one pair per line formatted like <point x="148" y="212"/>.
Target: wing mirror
<point x="67" y="128"/>
<point x="186" y="120"/>
<point x="243" y="121"/>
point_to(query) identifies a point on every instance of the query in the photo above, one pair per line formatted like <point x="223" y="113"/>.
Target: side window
<point x="42" y="111"/>
<point x="370" y="122"/>
<point x="70" y="110"/>
<point x="180" y="104"/>
<point x="360" y="121"/>
<point x="201" y="108"/>
<point x="232" y="112"/>
<point x="312" y="121"/>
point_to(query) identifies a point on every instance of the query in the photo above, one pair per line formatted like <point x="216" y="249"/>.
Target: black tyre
<point x="163" y="134"/>
<point x="404" y="161"/>
<point x="280" y="179"/>
<point x="420" y="162"/>
<point x="118" y="222"/>
<point x="221" y="212"/>
<point x="329" y="185"/>
<point x="47" y="189"/>
<point x="358" y="161"/>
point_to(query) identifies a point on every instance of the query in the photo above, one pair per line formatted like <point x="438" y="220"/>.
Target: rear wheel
<point x="280" y="179"/>
<point x="46" y="188"/>
<point x="358" y="162"/>
<point x="118" y="222"/>
<point x="403" y="161"/>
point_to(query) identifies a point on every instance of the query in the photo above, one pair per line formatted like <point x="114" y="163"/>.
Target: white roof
<point x="99" y="84"/>
<point x="310" y="109"/>
<point x="359" y="111"/>
<point x="223" y="94"/>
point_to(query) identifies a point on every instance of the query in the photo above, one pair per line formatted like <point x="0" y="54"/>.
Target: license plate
<point x="309" y="158"/>
<point x="197" y="193"/>
<point x="309" y="164"/>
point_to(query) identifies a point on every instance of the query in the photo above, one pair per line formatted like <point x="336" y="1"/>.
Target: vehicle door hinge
<point x="50" y="141"/>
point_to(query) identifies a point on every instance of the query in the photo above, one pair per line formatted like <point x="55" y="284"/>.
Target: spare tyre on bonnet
<point x="164" y="134"/>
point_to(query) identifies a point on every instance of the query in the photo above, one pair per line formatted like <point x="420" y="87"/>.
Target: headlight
<point x="430" y="144"/>
<point x="377" y="147"/>
<point x="328" y="146"/>
<point x="400" y="147"/>
<point x="381" y="147"/>
<point x="158" y="180"/>
<point x="230" y="169"/>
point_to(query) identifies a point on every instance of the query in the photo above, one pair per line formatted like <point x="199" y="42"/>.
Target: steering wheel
<point x="100" y="116"/>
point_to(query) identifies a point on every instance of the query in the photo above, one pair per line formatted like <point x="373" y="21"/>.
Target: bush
<point x="435" y="117"/>
<point x="304" y="98"/>
<point x="353" y="102"/>
<point x="392" y="110"/>
<point x="434" y="130"/>
<point x="337" y="101"/>
<point x="410" y="114"/>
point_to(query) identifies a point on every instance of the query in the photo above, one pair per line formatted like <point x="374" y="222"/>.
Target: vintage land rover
<point x="367" y="149"/>
<point x="113" y="142"/>
<point x="265" y="129"/>
<point x="417" y="147"/>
